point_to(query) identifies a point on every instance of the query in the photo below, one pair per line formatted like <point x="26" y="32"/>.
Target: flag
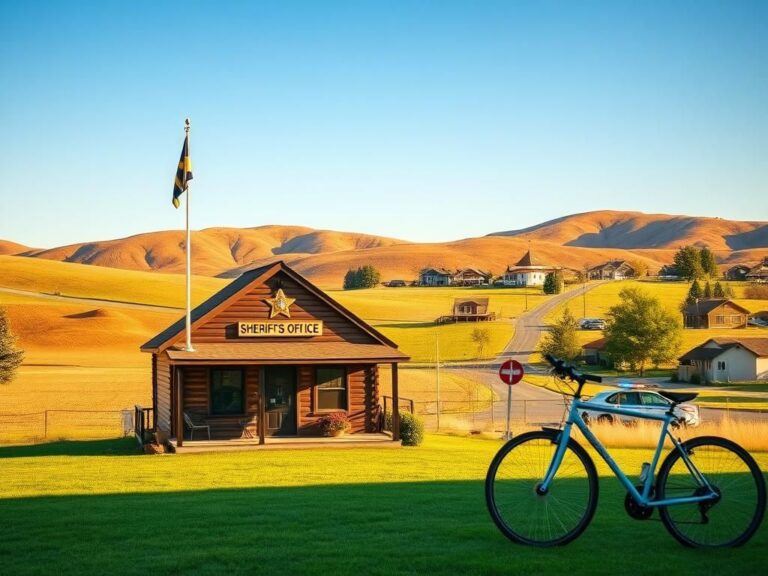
<point x="183" y="173"/>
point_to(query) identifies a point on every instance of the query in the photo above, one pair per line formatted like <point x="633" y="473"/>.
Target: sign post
<point x="510" y="372"/>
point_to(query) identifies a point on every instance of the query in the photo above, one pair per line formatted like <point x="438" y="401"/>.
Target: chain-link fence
<point x="65" y="425"/>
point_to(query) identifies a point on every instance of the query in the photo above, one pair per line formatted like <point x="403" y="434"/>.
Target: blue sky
<point x="426" y="121"/>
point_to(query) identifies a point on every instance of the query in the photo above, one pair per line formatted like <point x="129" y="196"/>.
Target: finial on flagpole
<point x="186" y="125"/>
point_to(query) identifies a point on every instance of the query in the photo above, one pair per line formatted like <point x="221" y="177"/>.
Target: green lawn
<point x="96" y="508"/>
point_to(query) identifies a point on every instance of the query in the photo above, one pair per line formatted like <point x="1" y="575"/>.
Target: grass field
<point x="95" y="508"/>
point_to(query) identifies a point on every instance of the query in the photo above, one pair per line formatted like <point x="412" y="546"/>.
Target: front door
<point x="280" y="400"/>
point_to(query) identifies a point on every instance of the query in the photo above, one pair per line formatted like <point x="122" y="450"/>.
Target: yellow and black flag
<point x="183" y="173"/>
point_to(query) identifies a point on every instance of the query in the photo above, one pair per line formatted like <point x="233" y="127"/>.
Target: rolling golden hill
<point x="324" y="256"/>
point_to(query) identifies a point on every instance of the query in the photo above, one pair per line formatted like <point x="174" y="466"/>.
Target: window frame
<point x="316" y="390"/>
<point x="243" y="392"/>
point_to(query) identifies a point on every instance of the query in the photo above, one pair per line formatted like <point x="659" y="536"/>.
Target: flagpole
<point x="189" y="256"/>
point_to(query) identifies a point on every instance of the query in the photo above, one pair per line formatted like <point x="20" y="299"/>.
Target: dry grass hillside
<point x="632" y="230"/>
<point x="8" y="247"/>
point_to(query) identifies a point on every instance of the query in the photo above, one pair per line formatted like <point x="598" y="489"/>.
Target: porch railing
<point x="142" y="422"/>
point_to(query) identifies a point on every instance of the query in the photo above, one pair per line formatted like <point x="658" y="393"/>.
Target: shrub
<point x="334" y="422"/>
<point x="411" y="428"/>
<point x="695" y="379"/>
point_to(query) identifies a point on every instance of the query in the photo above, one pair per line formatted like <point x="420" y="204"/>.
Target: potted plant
<point x="334" y="424"/>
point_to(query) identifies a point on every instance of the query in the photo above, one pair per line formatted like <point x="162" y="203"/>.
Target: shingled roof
<point x="705" y="306"/>
<point x="757" y="346"/>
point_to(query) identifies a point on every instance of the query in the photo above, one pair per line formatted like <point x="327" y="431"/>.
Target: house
<point x="471" y="277"/>
<point x="527" y="272"/>
<point x="612" y="270"/>
<point x="594" y="353"/>
<point x="469" y="310"/>
<point x="725" y="360"/>
<point x="737" y="272"/>
<point x="435" y="277"/>
<point x="715" y="313"/>
<point x="272" y="354"/>
<point x="759" y="273"/>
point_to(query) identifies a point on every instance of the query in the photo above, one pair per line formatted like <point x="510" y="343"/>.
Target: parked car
<point x="644" y="401"/>
<point x="758" y="322"/>
<point x="593" y="324"/>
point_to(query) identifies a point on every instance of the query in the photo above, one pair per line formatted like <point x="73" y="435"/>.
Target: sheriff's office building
<point x="272" y="354"/>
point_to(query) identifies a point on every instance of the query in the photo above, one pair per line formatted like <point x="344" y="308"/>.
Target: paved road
<point x="91" y="301"/>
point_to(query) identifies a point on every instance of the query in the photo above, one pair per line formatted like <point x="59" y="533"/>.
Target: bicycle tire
<point x="520" y="512"/>
<point x="735" y="516"/>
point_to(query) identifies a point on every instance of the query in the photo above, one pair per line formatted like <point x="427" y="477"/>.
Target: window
<point x="331" y="389"/>
<point x="650" y="399"/>
<point x="721" y="364"/>
<point x="719" y="319"/>
<point x="227" y="391"/>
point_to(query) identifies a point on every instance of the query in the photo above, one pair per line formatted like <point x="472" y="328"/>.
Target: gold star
<point x="280" y="304"/>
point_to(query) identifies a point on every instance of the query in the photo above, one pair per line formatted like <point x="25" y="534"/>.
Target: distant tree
<point x="562" y="340"/>
<point x="640" y="330"/>
<point x="481" y="337"/>
<point x="728" y="291"/>
<point x="707" y="290"/>
<point x="364" y="277"/>
<point x="688" y="263"/>
<point x="718" y="291"/>
<point x="708" y="264"/>
<point x="10" y="356"/>
<point x="640" y="267"/>
<point x="553" y="283"/>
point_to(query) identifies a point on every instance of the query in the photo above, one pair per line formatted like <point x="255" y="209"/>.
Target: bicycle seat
<point x="678" y="397"/>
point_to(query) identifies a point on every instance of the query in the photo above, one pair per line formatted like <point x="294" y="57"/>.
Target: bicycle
<point x="542" y="487"/>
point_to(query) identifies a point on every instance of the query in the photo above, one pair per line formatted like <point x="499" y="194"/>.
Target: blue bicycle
<point x="542" y="486"/>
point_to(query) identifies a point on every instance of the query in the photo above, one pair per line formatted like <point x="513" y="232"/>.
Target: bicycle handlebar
<point x="564" y="370"/>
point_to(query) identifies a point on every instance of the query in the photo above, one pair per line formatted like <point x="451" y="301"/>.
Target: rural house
<point x="726" y="360"/>
<point x="612" y="270"/>
<point x="471" y="277"/>
<point x="737" y="272"/>
<point x="715" y="313"/>
<point x="469" y="310"/>
<point x="435" y="277"/>
<point x="272" y="355"/>
<point x="759" y="273"/>
<point x="594" y="353"/>
<point x="527" y="272"/>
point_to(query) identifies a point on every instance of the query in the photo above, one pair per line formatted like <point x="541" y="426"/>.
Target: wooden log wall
<point x="162" y="377"/>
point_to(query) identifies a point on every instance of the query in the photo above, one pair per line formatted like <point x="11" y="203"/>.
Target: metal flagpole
<point x="189" y="251"/>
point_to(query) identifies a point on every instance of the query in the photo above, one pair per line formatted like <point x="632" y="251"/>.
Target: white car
<point x="644" y="401"/>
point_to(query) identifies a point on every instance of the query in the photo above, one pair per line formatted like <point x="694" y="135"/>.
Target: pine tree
<point x="10" y="356"/>
<point x="562" y="340"/>
<point x="718" y="291"/>
<point x="707" y="290"/>
<point x="708" y="264"/>
<point x="694" y="293"/>
<point x="553" y="283"/>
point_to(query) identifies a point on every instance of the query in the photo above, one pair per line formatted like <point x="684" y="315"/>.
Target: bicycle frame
<point x="642" y="498"/>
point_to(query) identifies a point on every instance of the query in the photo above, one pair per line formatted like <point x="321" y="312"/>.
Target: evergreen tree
<point x="640" y="329"/>
<point x="553" y="283"/>
<point x="708" y="264"/>
<point x="562" y="340"/>
<point x="694" y="293"/>
<point x="10" y="356"/>
<point x="718" y="291"/>
<point x="707" y="290"/>
<point x="688" y="263"/>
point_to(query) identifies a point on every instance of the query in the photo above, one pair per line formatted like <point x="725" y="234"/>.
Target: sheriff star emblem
<point x="280" y="304"/>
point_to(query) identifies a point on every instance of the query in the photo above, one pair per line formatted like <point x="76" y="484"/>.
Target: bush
<point x="695" y="379"/>
<point x="334" y="422"/>
<point x="411" y="428"/>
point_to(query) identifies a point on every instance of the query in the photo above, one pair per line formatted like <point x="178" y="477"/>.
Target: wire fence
<point x="65" y="425"/>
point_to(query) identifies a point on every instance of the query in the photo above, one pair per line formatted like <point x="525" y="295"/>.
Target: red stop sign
<point x="511" y="372"/>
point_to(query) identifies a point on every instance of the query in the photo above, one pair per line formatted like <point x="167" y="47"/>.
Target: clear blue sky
<point x="421" y="120"/>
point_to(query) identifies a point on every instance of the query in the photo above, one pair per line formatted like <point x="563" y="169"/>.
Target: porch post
<point x="262" y="410"/>
<point x="179" y="408"/>
<point x="395" y="404"/>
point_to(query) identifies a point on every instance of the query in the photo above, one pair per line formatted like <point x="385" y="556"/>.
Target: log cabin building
<point x="715" y="313"/>
<point x="271" y="355"/>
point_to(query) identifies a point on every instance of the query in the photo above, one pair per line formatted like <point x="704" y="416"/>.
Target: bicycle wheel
<point x="730" y="520"/>
<point x="518" y="509"/>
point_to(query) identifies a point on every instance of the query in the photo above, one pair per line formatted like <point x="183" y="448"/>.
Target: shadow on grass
<point x="110" y="447"/>
<point x="394" y="528"/>
<point x="409" y="325"/>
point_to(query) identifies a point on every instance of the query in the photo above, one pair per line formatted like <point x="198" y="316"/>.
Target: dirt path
<point x="91" y="301"/>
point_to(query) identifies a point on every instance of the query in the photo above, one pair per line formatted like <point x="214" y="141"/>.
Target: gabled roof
<point x="471" y="271"/>
<point x="242" y="284"/>
<point x="757" y="346"/>
<point x="528" y="260"/>
<point x="478" y="301"/>
<point x="705" y="306"/>
<point x="760" y="270"/>
<point x="612" y="264"/>
<point x="739" y="266"/>
<point x="439" y="271"/>
<point x="598" y="344"/>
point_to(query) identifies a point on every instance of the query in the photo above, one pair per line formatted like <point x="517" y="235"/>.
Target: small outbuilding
<point x="469" y="310"/>
<point x="272" y="354"/>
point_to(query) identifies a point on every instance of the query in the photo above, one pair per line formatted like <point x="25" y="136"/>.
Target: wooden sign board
<point x="271" y="328"/>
